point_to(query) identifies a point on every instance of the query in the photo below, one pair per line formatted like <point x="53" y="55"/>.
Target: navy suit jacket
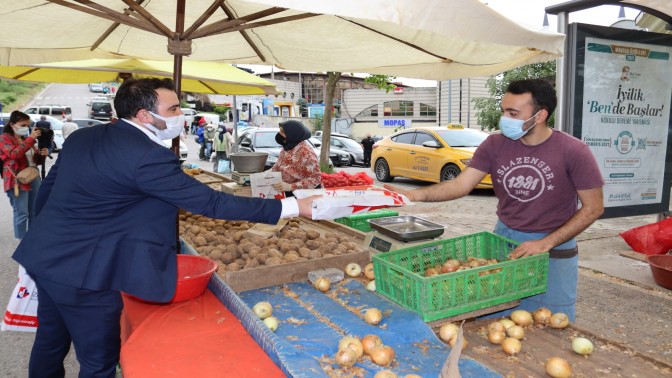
<point x="107" y="212"/>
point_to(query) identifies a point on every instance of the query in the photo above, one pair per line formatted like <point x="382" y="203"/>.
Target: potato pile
<point x="227" y="243"/>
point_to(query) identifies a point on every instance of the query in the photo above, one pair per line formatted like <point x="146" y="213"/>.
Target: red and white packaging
<point x="262" y="185"/>
<point x="350" y="200"/>
<point x="21" y="313"/>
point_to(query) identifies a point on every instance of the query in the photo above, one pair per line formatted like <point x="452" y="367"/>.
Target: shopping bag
<point x="21" y="314"/>
<point x="222" y="166"/>
<point x="650" y="239"/>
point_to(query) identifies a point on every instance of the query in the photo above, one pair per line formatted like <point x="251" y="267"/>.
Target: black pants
<point x="367" y="158"/>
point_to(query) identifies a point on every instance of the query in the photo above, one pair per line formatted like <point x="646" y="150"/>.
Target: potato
<point x="221" y="267"/>
<point x="200" y="241"/>
<point x="328" y="255"/>
<point x="286" y="247"/>
<point x="254" y="251"/>
<point x="271" y="241"/>
<point x="312" y="234"/>
<point x="215" y="254"/>
<point x="312" y="244"/>
<point x="251" y="263"/>
<point x="262" y="258"/>
<point x="219" y="230"/>
<point x="315" y="255"/>
<point x="240" y="261"/>
<point x="305" y="252"/>
<point x="275" y="253"/>
<point x="291" y="257"/>
<point x="238" y="236"/>
<point x="232" y="249"/>
<point x="273" y="261"/>
<point x="228" y="257"/>
<point x="195" y="230"/>
<point x="233" y="267"/>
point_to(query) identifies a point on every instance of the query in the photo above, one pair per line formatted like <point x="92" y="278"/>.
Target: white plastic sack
<point x="350" y="200"/>
<point x="222" y="166"/>
<point x="21" y="314"/>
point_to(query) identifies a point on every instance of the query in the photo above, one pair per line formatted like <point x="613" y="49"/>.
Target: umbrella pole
<point x="177" y="79"/>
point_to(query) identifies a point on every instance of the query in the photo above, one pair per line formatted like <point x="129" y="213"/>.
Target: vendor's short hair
<point x="543" y="93"/>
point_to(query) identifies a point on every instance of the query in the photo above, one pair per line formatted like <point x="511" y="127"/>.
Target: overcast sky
<point x="529" y="13"/>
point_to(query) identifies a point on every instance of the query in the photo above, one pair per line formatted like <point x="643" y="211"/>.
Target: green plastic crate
<point x="400" y="276"/>
<point x="361" y="221"/>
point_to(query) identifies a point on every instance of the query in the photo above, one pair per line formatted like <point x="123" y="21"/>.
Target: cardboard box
<point x="262" y="185"/>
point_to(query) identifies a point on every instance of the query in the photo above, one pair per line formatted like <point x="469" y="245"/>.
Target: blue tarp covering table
<point x="312" y="323"/>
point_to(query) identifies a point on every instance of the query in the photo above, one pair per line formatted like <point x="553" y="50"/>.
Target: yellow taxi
<point x="427" y="153"/>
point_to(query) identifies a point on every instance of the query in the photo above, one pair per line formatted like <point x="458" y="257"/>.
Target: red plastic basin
<point x="661" y="267"/>
<point x="193" y="275"/>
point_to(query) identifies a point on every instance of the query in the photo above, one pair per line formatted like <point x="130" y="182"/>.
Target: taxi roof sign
<point x="455" y="126"/>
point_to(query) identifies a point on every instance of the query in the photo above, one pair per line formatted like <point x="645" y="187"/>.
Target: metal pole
<point x="235" y="124"/>
<point x="560" y="75"/>
<point x="177" y="66"/>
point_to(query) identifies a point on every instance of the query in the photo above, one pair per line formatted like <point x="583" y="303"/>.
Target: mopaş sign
<point x="403" y="123"/>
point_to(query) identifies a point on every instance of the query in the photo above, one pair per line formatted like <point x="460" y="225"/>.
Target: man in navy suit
<point x="106" y="224"/>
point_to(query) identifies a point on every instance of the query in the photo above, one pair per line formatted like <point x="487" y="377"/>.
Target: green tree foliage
<point x="488" y="107"/>
<point x="221" y="110"/>
<point x="381" y="81"/>
<point x="303" y="106"/>
<point x="13" y="92"/>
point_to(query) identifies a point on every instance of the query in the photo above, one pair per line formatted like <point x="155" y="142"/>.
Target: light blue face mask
<point x="513" y="128"/>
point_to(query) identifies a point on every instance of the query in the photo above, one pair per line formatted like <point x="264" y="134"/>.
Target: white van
<point x="50" y="110"/>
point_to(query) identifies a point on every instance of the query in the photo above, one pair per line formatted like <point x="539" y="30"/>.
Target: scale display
<point x="380" y="244"/>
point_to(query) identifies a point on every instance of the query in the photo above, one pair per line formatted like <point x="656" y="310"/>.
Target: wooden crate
<point x="235" y="189"/>
<point x="296" y="271"/>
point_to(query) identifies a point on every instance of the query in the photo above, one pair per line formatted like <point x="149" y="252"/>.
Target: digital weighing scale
<point x="398" y="232"/>
<point x="240" y="178"/>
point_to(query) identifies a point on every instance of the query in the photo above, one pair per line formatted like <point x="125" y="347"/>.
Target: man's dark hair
<point x="543" y="93"/>
<point x="136" y="94"/>
<point x="14" y="117"/>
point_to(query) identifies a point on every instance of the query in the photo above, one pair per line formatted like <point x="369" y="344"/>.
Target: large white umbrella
<point x="428" y="39"/>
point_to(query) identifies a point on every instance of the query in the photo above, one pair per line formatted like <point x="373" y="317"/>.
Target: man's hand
<point x="529" y="248"/>
<point x="282" y="187"/>
<point x="412" y="195"/>
<point x="44" y="152"/>
<point x="306" y="206"/>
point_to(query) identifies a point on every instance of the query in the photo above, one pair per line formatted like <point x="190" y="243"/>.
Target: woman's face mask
<point x="21" y="130"/>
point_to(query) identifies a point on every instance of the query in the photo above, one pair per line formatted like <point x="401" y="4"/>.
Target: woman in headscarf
<point x="297" y="161"/>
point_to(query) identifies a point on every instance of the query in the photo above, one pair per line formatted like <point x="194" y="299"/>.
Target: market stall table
<point x="196" y="338"/>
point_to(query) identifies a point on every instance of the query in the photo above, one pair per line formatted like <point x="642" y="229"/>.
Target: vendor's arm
<point x="459" y="187"/>
<point x="591" y="209"/>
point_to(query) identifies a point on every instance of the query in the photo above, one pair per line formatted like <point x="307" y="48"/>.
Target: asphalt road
<point x="606" y="280"/>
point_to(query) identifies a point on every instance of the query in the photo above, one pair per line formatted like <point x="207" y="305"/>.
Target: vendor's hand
<point x="44" y="152"/>
<point x="282" y="187"/>
<point x="36" y="133"/>
<point x="410" y="194"/>
<point x="529" y="248"/>
<point x="306" y="206"/>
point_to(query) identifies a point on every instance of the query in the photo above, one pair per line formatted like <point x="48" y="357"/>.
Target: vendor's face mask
<point x="174" y="126"/>
<point x="513" y="128"/>
<point x="280" y="139"/>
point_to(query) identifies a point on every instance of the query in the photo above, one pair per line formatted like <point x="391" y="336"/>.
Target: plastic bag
<point x="21" y="314"/>
<point x="346" y="201"/>
<point x="222" y="166"/>
<point x="650" y="239"/>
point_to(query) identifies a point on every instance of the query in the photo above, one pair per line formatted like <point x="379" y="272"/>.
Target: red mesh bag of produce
<point x="650" y="239"/>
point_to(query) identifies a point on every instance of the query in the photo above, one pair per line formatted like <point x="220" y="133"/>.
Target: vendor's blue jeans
<point x="560" y="295"/>
<point x="24" y="207"/>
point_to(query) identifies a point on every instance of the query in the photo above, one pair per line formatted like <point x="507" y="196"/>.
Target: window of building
<point x="427" y="110"/>
<point x="398" y="108"/>
<point x="371" y="111"/>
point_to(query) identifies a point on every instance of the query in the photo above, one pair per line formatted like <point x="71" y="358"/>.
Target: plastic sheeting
<point x="312" y="324"/>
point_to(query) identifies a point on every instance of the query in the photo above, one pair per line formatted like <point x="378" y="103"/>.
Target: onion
<point x="352" y="343"/>
<point x="451" y="265"/>
<point x="453" y="341"/>
<point x="382" y="355"/>
<point x="368" y="271"/>
<point x="385" y="374"/>
<point x="522" y="317"/>
<point x="353" y="270"/>
<point x="511" y="346"/>
<point x="582" y="346"/>
<point x="431" y="272"/>
<point x="345" y="357"/>
<point x="507" y="323"/>
<point x="557" y="367"/>
<point x="373" y="316"/>
<point x="496" y="326"/>
<point x="323" y="284"/>
<point x="559" y="320"/>
<point x="371" y="286"/>
<point x="542" y="316"/>
<point x="516" y="331"/>
<point x="496" y="337"/>
<point x="369" y="342"/>
<point x="263" y="310"/>
<point x="271" y="322"/>
<point x="412" y="376"/>
<point x="448" y="331"/>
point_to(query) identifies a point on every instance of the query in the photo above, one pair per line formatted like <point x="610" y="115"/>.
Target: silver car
<point x="350" y="146"/>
